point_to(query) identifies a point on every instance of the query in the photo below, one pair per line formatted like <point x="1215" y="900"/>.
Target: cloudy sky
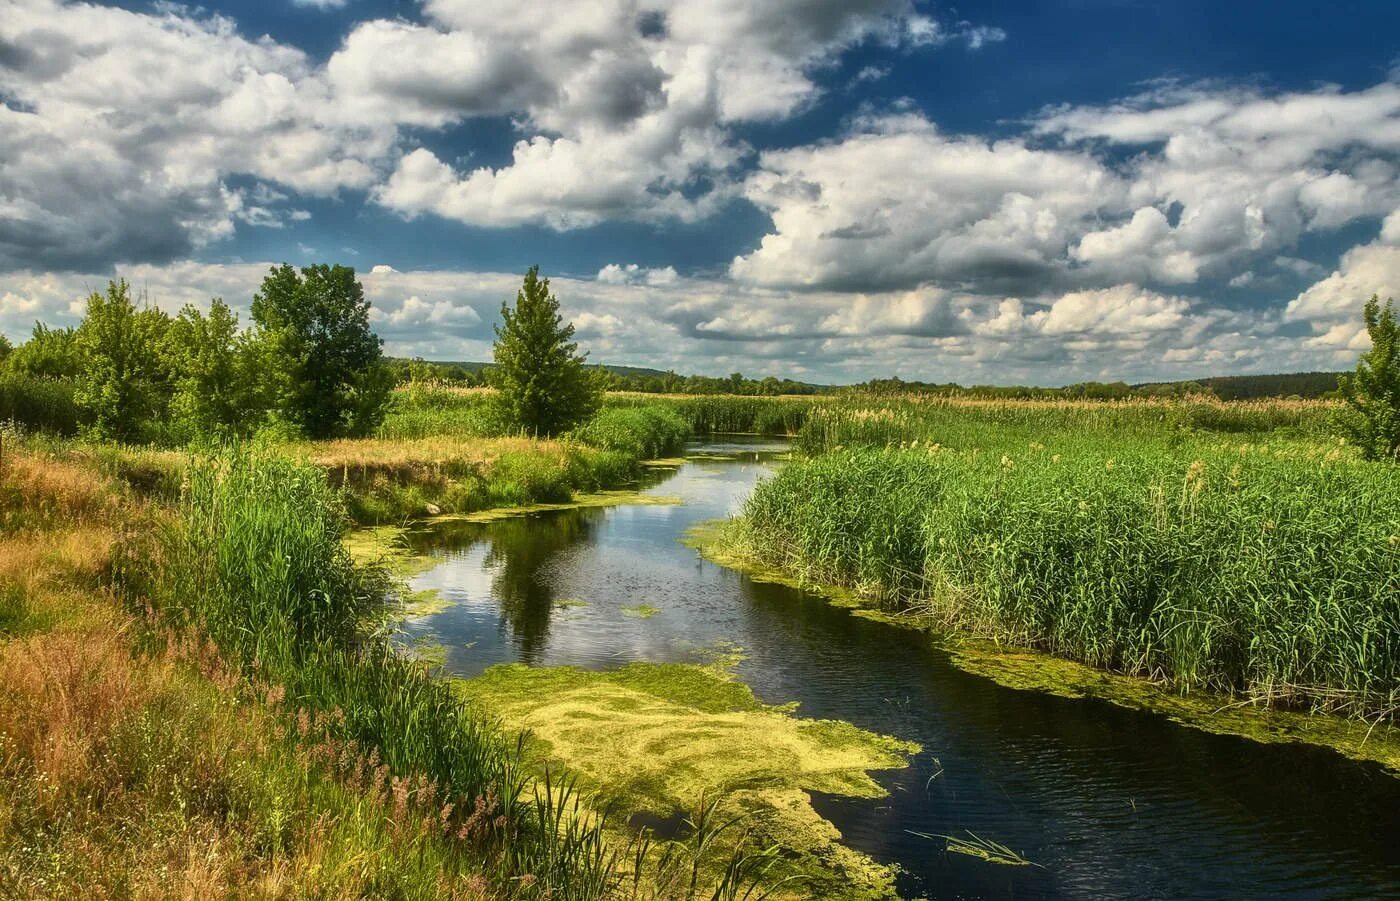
<point x="1003" y="192"/>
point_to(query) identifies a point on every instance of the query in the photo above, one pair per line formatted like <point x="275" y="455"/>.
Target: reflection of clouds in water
<point x="505" y="588"/>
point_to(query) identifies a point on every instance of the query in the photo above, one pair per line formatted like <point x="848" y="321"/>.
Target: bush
<point x="39" y="404"/>
<point x="640" y="432"/>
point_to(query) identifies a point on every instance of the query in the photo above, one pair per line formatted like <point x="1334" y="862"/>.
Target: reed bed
<point x="707" y="414"/>
<point x="640" y="432"/>
<point x="1111" y="535"/>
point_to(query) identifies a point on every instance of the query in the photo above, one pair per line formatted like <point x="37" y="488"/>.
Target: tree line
<point x="308" y="366"/>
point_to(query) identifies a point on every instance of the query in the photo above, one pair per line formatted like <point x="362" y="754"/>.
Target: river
<point x="1107" y="802"/>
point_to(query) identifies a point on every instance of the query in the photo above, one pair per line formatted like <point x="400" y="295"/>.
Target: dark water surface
<point x="1110" y="803"/>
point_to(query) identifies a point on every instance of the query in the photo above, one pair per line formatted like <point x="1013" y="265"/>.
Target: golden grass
<point x="371" y="453"/>
<point x="40" y="491"/>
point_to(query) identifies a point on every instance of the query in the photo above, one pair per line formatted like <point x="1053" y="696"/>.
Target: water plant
<point x="1269" y="570"/>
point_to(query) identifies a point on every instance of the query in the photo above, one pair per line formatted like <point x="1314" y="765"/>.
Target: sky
<point x="1006" y="192"/>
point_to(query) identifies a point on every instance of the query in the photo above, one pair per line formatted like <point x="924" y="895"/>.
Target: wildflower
<point x="1110" y="464"/>
<point x="1054" y="458"/>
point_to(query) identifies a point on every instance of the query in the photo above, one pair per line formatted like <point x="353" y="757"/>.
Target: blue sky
<point x="830" y="189"/>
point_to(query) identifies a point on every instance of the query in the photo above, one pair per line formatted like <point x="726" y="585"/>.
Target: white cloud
<point x="1332" y="305"/>
<point x="897" y="203"/>
<point x="718" y="326"/>
<point x="118" y="130"/>
<point x="627" y="108"/>
<point x="1212" y="178"/>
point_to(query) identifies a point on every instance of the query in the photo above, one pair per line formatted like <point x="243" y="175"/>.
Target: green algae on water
<point x="657" y="738"/>
<point x="722" y="542"/>
<point x="640" y="611"/>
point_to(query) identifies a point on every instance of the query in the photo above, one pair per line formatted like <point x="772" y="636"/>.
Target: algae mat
<point x="1026" y="669"/>
<point x="665" y="738"/>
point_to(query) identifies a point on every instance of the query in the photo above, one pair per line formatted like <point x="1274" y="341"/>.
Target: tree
<point x="539" y="374"/>
<point x="123" y="385"/>
<point x="323" y="366"/>
<point x="211" y="375"/>
<point x="1373" y="391"/>
<point x="50" y="353"/>
<point x="5" y="348"/>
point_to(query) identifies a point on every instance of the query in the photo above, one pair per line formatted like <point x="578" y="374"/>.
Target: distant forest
<point x="655" y="381"/>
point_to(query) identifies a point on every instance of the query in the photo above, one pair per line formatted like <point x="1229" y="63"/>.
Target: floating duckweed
<point x="677" y="733"/>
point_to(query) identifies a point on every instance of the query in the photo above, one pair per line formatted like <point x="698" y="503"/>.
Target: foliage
<point x="321" y="360"/>
<point x="212" y="379"/>
<point x="50" y="353"/>
<point x="124" y="382"/>
<point x="1373" y="391"/>
<point x="542" y="385"/>
<point x="639" y="432"/>
<point x="39" y="404"/>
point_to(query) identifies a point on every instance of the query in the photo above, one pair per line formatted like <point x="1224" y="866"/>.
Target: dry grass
<point x="154" y="774"/>
<point x="40" y="492"/>
<point x="61" y="696"/>
<point x="376" y="454"/>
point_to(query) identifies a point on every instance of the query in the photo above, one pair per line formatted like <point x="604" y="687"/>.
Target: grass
<point x="708" y="414"/>
<point x="640" y="432"/>
<point x="1110" y="534"/>
<point x="194" y="700"/>
<point x="143" y="774"/>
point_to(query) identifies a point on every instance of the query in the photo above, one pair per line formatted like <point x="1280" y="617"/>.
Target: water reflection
<point x="1111" y="802"/>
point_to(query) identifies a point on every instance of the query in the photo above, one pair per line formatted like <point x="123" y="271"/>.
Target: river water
<point x="1107" y="802"/>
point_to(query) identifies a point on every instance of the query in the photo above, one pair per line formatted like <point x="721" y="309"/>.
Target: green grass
<point x="253" y="562"/>
<point x="256" y="564"/>
<point x="707" y="414"/>
<point x="1110" y="535"/>
<point x="641" y="432"/>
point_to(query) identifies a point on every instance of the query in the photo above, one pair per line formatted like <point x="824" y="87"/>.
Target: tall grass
<point x="1268" y="570"/>
<point x="706" y="414"/>
<point x="423" y="411"/>
<point x="966" y="423"/>
<point x="640" y="432"/>
<point x="254" y="561"/>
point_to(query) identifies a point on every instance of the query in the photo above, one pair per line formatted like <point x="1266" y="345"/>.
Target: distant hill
<point x="1248" y="387"/>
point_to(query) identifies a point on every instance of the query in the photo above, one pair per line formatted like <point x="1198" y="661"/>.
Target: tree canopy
<point x="1373" y="391"/>
<point x="544" y="387"/>
<point x="323" y="364"/>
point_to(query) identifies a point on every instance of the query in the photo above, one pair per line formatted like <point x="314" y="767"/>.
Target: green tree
<point x="123" y="385"/>
<point x="5" y="348"/>
<point x="543" y="387"/>
<point x="323" y="367"/>
<point x="212" y="376"/>
<point x="1373" y="391"/>
<point x="50" y="353"/>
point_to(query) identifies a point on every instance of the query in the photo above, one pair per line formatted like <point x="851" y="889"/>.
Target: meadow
<point x="195" y="679"/>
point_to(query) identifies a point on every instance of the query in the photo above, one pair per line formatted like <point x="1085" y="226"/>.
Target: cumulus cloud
<point x="718" y="326"/>
<point x="117" y="132"/>
<point x="897" y="203"/>
<point x="628" y="110"/>
<point x="1332" y="305"/>
<point x="1212" y="179"/>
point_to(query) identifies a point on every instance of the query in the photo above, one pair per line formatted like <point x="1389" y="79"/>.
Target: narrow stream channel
<point x="1108" y="802"/>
